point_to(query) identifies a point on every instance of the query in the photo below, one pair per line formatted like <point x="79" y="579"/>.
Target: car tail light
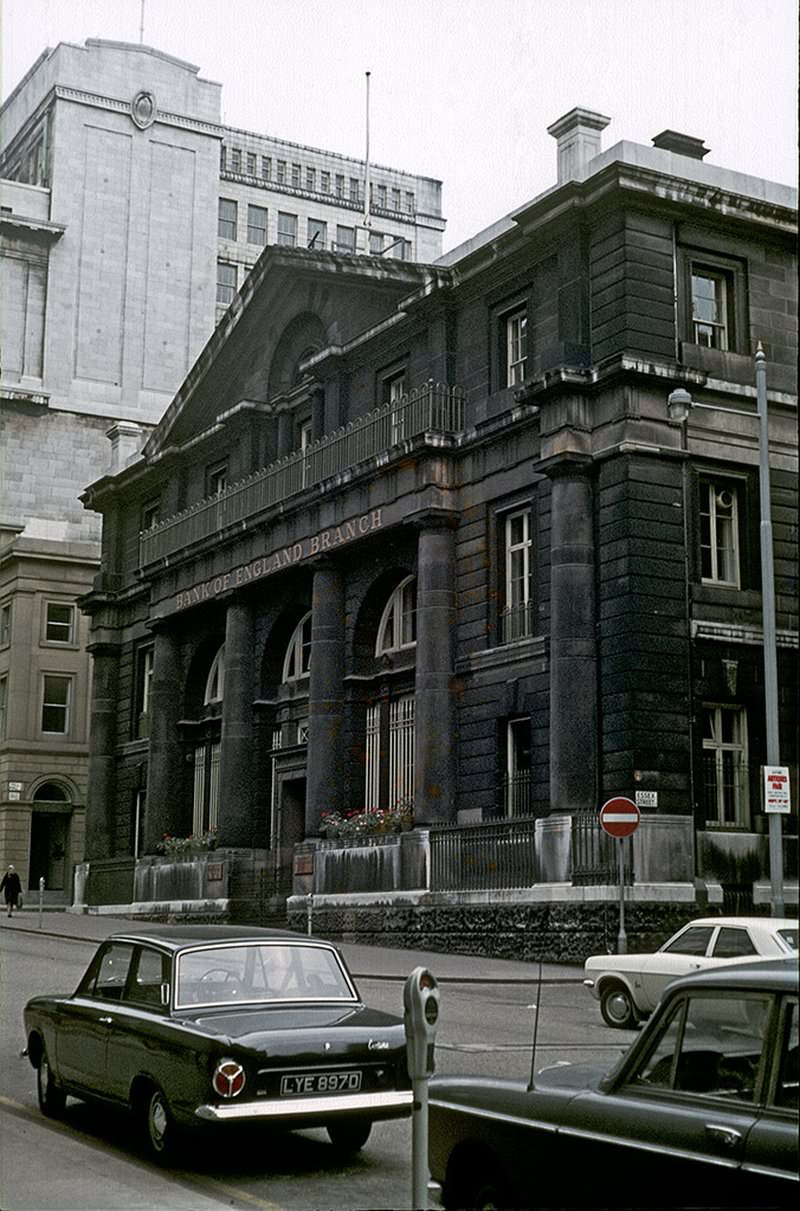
<point x="228" y="1079"/>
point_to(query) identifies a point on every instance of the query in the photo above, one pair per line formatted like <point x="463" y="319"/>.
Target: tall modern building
<point x="130" y="216"/>
<point x="429" y="546"/>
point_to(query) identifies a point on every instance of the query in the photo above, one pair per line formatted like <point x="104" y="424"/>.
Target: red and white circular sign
<point x="620" y="817"/>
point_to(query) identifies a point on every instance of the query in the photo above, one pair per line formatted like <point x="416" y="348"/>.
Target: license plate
<point x="300" y="1084"/>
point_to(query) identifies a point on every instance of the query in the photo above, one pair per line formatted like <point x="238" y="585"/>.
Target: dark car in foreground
<point x="700" y="1112"/>
<point x="193" y="1025"/>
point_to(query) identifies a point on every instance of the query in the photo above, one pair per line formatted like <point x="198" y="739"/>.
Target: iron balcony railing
<point x="435" y="409"/>
<point x="517" y="794"/>
<point x="496" y="854"/>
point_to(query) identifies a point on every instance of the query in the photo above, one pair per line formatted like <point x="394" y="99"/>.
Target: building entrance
<point x="49" y="847"/>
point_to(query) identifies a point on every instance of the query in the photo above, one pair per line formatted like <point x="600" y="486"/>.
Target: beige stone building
<point x="129" y="219"/>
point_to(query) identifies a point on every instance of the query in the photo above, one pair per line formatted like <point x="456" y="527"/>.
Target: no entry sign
<point x="620" y="817"/>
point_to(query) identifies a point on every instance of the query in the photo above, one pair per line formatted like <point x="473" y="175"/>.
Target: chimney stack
<point x="126" y="439"/>
<point x="577" y="136"/>
<point x="682" y="145"/>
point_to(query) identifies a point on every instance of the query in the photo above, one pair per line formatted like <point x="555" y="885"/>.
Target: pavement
<point x="365" y="962"/>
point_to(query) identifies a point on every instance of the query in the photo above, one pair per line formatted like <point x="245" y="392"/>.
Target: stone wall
<point x="556" y="932"/>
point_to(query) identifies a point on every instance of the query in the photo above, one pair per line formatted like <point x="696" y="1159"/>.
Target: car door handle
<point x="106" y="1021"/>
<point x="729" y="1137"/>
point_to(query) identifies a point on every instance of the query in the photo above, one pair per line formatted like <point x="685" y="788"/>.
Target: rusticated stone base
<point x="555" y="932"/>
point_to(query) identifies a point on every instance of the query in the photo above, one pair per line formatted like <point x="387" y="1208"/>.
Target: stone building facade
<point x="130" y="217"/>
<point x="465" y="564"/>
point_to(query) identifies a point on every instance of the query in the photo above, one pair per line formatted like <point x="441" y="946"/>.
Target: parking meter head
<point x="421" y="1004"/>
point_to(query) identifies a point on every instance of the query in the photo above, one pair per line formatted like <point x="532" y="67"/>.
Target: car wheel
<point x="349" y="1135"/>
<point x="51" y="1098"/>
<point x="617" y="1007"/>
<point x="488" y="1197"/>
<point x="159" y="1127"/>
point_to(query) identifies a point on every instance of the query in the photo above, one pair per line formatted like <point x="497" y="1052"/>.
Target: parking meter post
<point x="309" y="912"/>
<point x="421" y="1006"/>
<point x="622" y="938"/>
<point x="41" y="899"/>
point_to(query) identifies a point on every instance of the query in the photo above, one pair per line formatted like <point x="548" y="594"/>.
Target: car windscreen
<point x="260" y="972"/>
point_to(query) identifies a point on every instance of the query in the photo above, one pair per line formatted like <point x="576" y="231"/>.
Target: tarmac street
<point x="88" y="1160"/>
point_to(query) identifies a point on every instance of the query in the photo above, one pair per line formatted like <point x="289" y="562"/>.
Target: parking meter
<point x="421" y="1005"/>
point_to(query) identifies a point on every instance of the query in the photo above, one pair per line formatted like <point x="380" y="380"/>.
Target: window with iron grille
<point x="725" y="772"/>
<point x="390" y="752"/>
<point x="517" y="612"/>
<point x="517" y="771"/>
<point x="5" y="623"/>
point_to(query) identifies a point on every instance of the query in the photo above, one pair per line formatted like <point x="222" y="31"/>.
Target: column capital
<point x="433" y="519"/>
<point x="570" y="463"/>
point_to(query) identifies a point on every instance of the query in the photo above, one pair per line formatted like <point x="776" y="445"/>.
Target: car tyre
<point x="52" y="1098"/>
<point x="488" y="1197"/>
<point x="349" y="1135"/>
<point x="160" y="1132"/>
<point x="617" y="1007"/>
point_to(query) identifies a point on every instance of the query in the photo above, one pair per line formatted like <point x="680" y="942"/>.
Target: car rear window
<point x="789" y="937"/>
<point x="732" y="942"/>
<point x="260" y="973"/>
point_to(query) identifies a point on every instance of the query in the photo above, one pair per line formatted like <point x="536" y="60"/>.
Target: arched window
<point x="298" y="653"/>
<point x="215" y="682"/>
<point x="398" y="625"/>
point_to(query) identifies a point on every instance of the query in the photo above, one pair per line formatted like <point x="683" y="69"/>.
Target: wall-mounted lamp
<point x="679" y="404"/>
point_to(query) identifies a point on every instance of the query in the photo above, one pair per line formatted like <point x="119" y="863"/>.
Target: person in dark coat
<point x="12" y="888"/>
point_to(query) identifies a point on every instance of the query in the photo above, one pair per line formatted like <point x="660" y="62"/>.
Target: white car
<point x="629" y="987"/>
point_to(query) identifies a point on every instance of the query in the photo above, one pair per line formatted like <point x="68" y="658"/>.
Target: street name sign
<point x="619" y="817"/>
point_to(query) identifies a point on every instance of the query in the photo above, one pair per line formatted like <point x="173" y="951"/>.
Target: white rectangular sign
<point x="647" y="798"/>
<point x="777" y="792"/>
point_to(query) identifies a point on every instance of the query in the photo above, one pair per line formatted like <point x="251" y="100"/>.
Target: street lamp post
<point x="679" y="404"/>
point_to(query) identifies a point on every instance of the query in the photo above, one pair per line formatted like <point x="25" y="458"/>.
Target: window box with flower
<point x="187" y="846"/>
<point x="364" y="823"/>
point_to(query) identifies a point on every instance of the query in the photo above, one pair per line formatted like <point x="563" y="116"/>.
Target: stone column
<point x="101" y="795"/>
<point x="434" y="795"/>
<point x="325" y="765"/>
<point x="573" y="673"/>
<point x="238" y="816"/>
<point x="166" y="771"/>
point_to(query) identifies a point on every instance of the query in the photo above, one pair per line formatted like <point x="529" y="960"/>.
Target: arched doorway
<point x="50" y="837"/>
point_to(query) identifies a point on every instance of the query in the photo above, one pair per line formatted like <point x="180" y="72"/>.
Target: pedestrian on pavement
<point x="12" y="888"/>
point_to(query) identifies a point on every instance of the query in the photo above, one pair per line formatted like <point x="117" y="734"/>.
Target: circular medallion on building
<point x="143" y="109"/>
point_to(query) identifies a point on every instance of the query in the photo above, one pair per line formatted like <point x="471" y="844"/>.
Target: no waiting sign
<point x="620" y="817"/>
<point x="777" y="793"/>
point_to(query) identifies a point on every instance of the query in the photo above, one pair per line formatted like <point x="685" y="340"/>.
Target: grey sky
<point x="464" y="89"/>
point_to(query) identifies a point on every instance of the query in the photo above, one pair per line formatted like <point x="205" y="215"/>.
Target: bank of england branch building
<point x="427" y="536"/>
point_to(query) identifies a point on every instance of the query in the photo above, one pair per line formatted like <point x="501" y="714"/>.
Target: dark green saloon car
<point x="193" y="1025"/>
<point x="700" y="1112"/>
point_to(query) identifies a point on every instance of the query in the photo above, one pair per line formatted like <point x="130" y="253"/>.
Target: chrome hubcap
<point x="158" y="1121"/>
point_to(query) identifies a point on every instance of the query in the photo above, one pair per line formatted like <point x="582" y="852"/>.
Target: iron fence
<point x="595" y="857"/>
<point x="495" y="854"/>
<point x="435" y="409"/>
